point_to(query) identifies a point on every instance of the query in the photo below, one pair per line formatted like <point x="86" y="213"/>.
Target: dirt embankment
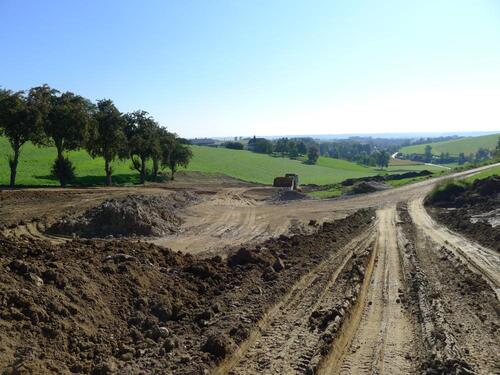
<point x="456" y="309"/>
<point x="92" y="306"/>
<point x="473" y="210"/>
<point x="134" y="215"/>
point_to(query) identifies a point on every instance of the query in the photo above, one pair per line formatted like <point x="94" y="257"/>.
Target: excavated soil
<point x="473" y="211"/>
<point x="100" y="307"/>
<point x="134" y="215"/>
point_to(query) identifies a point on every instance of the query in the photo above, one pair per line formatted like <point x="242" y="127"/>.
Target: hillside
<point x="35" y="163"/>
<point x="454" y="147"/>
<point x="261" y="168"/>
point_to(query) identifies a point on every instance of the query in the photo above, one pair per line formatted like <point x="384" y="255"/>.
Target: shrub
<point x="234" y="145"/>
<point x="64" y="170"/>
<point x="447" y="191"/>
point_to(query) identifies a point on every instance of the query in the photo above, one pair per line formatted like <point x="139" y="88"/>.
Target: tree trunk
<point x="143" y="171"/>
<point x="155" y="168"/>
<point x="13" y="167"/>
<point x="107" y="168"/>
<point x="173" y="172"/>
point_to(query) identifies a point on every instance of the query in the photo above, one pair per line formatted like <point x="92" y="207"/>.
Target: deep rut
<point x="285" y="342"/>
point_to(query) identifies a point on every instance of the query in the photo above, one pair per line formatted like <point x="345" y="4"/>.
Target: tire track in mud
<point x="460" y="308"/>
<point x="480" y="259"/>
<point x="380" y="339"/>
<point x="287" y="340"/>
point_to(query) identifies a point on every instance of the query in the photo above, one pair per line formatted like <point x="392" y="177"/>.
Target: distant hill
<point x="467" y="145"/>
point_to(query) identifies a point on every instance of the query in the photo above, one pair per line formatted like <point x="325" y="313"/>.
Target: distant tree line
<point x="47" y="117"/>
<point x="479" y="156"/>
<point x="368" y="153"/>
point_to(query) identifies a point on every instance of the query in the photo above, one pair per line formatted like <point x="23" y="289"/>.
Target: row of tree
<point x="479" y="156"/>
<point x="47" y="117"/>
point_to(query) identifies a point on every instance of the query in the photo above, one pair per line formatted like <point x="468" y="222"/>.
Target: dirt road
<point x="385" y="336"/>
<point x="483" y="260"/>
<point x="241" y="215"/>
<point x="288" y="339"/>
<point x="405" y="295"/>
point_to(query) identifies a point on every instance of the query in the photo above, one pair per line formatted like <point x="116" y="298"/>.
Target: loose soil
<point x="473" y="211"/>
<point x="399" y="294"/>
<point x="134" y="215"/>
<point x="93" y="306"/>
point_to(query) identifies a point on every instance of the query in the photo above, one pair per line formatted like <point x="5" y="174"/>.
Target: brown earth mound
<point x="102" y="307"/>
<point x="367" y="187"/>
<point x="289" y="195"/>
<point x="141" y="215"/>
<point x="472" y="210"/>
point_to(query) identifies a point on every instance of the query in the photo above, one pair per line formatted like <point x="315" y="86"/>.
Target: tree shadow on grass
<point x="118" y="179"/>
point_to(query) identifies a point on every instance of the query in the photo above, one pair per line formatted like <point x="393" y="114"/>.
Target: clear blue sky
<point x="222" y="68"/>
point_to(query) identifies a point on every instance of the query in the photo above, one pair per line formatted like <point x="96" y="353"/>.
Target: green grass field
<point x="454" y="147"/>
<point x="261" y="168"/>
<point x="35" y="163"/>
<point x="484" y="174"/>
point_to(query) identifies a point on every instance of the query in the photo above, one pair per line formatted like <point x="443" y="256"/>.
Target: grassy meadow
<point x="454" y="147"/>
<point x="35" y="164"/>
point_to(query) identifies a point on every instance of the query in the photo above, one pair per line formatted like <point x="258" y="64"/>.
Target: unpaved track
<point x="467" y="305"/>
<point x="385" y="335"/>
<point x="284" y="342"/>
<point x="480" y="259"/>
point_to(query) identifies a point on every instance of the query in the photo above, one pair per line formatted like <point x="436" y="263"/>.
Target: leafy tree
<point x="106" y="136"/>
<point x="161" y="146"/>
<point x="482" y="154"/>
<point x="141" y="132"/>
<point x="428" y="153"/>
<point x="21" y="122"/>
<point x="263" y="146"/>
<point x="382" y="159"/>
<point x="497" y="149"/>
<point x="301" y="148"/>
<point x="234" y="145"/>
<point x="312" y="154"/>
<point x="292" y="149"/>
<point x="281" y="146"/>
<point x="179" y="154"/>
<point x="461" y="158"/>
<point x="66" y="119"/>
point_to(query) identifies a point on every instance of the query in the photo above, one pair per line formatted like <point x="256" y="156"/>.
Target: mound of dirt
<point x="134" y="215"/>
<point x="129" y="307"/>
<point x="402" y="176"/>
<point x="389" y="177"/>
<point x="473" y="210"/>
<point x="289" y="195"/>
<point x="367" y="187"/>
